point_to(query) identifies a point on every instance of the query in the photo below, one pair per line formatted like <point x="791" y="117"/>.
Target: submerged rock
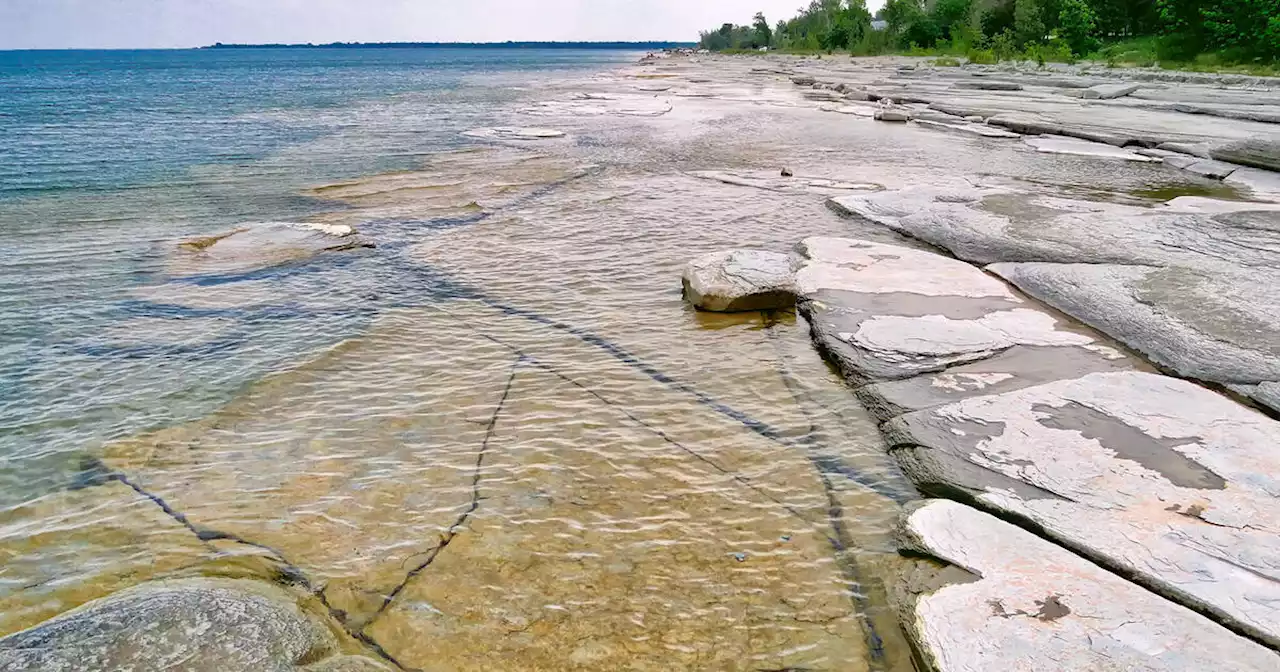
<point x="196" y="625"/>
<point x="739" y="280"/>
<point x="257" y="246"/>
<point x="1032" y="605"/>
<point x="1153" y="477"/>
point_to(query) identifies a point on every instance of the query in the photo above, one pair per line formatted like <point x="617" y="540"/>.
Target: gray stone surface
<point x="892" y="114"/>
<point x="1108" y="91"/>
<point x="1151" y="476"/>
<point x="1268" y="394"/>
<point x="1057" y="144"/>
<point x="194" y="625"/>
<point x="988" y="85"/>
<point x="1219" y="326"/>
<point x="980" y="130"/>
<point x="1194" y="149"/>
<point x="888" y="313"/>
<point x="1018" y="367"/>
<point x="1031" y="605"/>
<point x="1257" y="152"/>
<point x="256" y="246"/>
<point x="987" y="225"/>
<point x="739" y="280"/>
<point x="1214" y="170"/>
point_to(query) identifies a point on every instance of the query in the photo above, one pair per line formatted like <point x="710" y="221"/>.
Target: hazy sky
<point x="27" y="24"/>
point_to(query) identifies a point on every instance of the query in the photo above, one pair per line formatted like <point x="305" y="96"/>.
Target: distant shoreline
<point x="464" y="45"/>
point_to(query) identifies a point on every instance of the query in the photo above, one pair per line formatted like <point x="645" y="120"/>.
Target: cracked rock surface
<point x="1152" y="476"/>
<point x="1031" y="604"/>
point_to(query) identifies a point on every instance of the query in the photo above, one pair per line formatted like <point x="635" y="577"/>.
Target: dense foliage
<point x="1239" y="30"/>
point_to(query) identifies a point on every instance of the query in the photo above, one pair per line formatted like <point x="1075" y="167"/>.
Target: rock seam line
<point x="474" y="505"/>
<point x="841" y="542"/>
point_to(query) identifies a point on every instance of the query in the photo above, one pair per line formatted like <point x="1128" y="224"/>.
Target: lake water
<point x="105" y="154"/>
<point x="497" y="440"/>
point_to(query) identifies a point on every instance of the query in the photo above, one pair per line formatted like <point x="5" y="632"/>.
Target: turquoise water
<point x="108" y="158"/>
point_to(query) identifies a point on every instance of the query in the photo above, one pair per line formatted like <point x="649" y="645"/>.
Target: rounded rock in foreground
<point x="739" y="280"/>
<point x="198" y="625"/>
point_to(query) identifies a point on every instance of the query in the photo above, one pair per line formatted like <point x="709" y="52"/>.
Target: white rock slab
<point x="1057" y="144"/>
<point x="1152" y="476"/>
<point x="513" y="133"/>
<point x="1108" y="91"/>
<point x="739" y="280"/>
<point x="981" y="130"/>
<point x="1038" y="607"/>
<point x="851" y="265"/>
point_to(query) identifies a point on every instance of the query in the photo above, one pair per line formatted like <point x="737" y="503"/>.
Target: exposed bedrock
<point x="1152" y="476"/>
<point x="1032" y="605"/>
<point x="1214" y="325"/>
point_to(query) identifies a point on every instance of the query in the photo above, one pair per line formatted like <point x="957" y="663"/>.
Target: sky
<point x="121" y="24"/>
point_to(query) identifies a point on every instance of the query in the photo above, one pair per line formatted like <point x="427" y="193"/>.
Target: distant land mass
<point x="464" y="45"/>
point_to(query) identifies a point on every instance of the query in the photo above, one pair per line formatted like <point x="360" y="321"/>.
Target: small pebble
<point x="786" y="172"/>
<point x="740" y="557"/>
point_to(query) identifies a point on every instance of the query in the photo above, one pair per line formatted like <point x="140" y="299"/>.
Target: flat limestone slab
<point x="1039" y="607"/>
<point x="891" y="313"/>
<point x="1220" y="326"/>
<point x="1151" y="476"/>
<point x="987" y="225"/>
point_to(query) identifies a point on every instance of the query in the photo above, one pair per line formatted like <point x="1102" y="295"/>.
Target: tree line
<point x="1238" y="30"/>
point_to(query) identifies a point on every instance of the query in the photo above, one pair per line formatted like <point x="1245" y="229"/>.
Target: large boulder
<point x="1153" y="477"/>
<point x="194" y="625"/>
<point x="257" y="246"/>
<point x="1258" y="152"/>
<point x="1031" y="605"/>
<point x="739" y="280"/>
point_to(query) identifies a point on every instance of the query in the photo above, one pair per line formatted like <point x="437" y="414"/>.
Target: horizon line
<point x="383" y="45"/>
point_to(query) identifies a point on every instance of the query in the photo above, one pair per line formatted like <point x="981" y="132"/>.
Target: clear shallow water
<point x="499" y="439"/>
<point x="107" y="158"/>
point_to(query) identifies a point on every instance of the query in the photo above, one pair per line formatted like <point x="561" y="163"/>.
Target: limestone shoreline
<point x="1140" y="481"/>
<point x="1074" y="366"/>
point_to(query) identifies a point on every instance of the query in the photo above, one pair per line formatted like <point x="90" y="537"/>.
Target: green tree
<point x="1076" y="25"/>
<point x="764" y="34"/>
<point x="1028" y="26"/>
<point x="997" y="18"/>
<point x="951" y="16"/>
<point x="1245" y="28"/>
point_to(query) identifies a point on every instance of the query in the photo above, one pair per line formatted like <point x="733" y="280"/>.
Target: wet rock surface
<point x="739" y="280"/>
<point x="196" y="624"/>
<point x="1028" y="602"/>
